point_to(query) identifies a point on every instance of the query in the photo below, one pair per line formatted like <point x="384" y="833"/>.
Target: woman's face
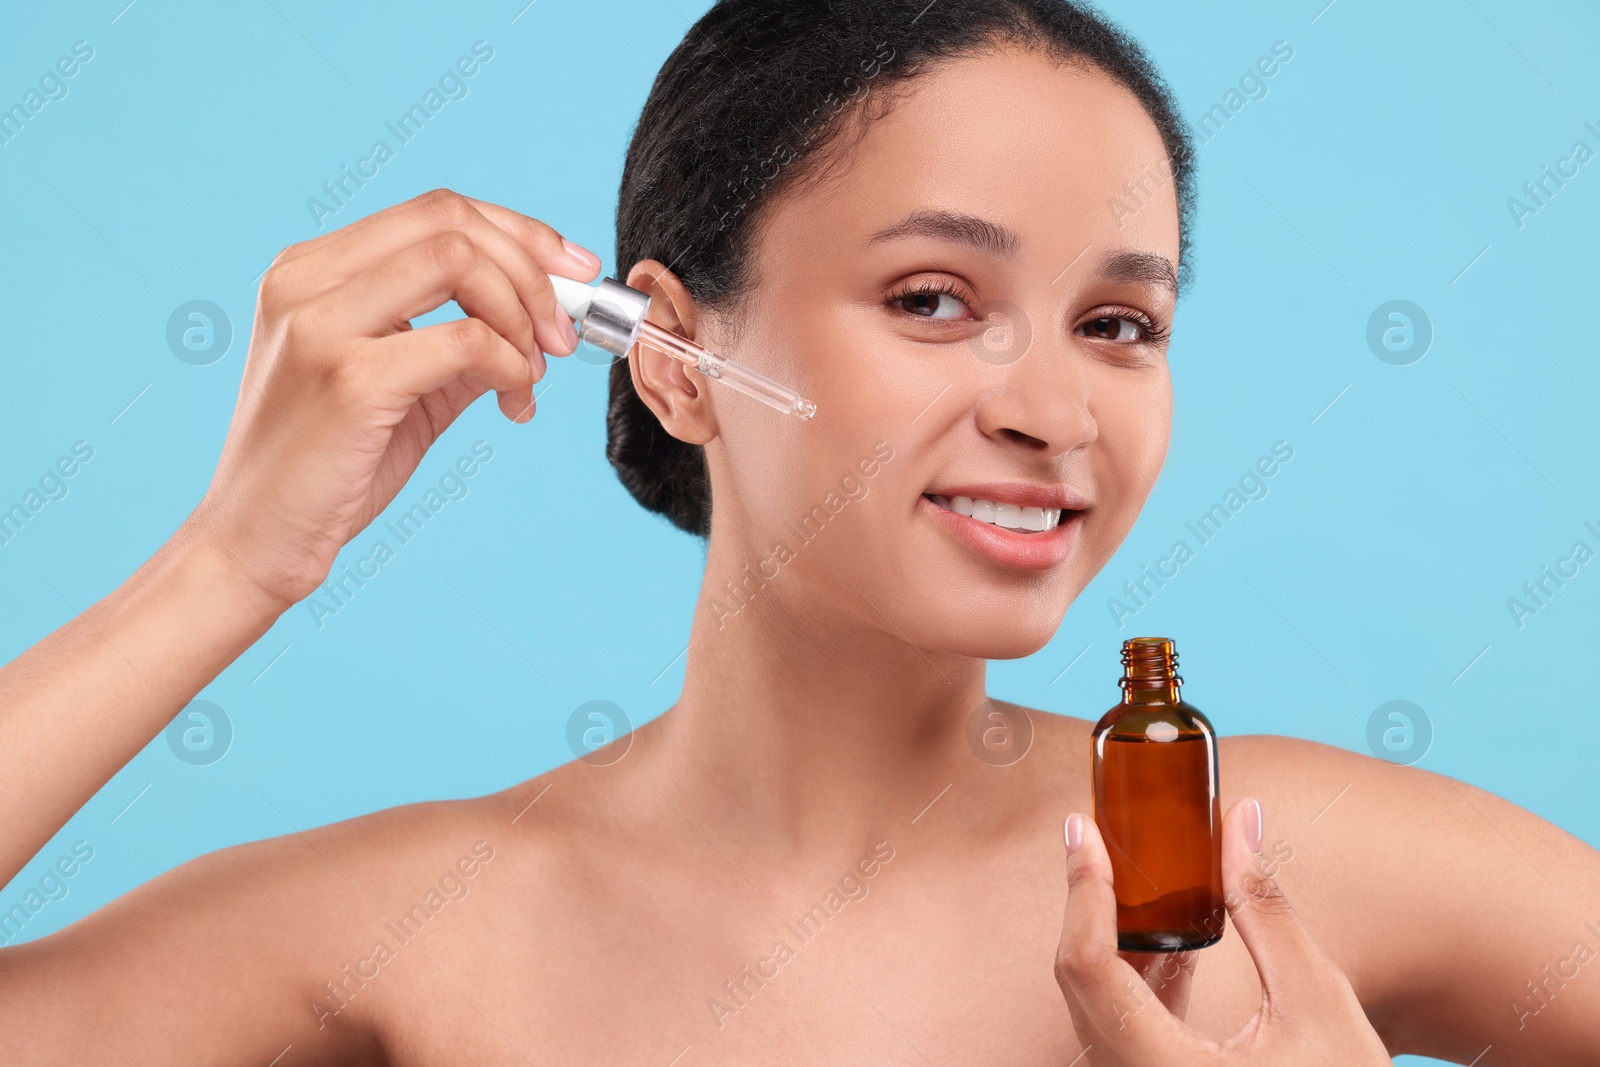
<point x="978" y="290"/>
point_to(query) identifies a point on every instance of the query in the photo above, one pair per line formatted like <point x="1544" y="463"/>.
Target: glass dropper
<point x="611" y="316"/>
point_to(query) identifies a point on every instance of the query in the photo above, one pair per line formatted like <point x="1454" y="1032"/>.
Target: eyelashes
<point x="924" y="301"/>
<point x="931" y="301"/>
<point x="1150" y="331"/>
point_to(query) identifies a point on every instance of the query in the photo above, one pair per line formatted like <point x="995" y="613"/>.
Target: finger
<point x="554" y="253"/>
<point x="408" y="216"/>
<point x="525" y="249"/>
<point x="441" y="211"/>
<point x="444" y="266"/>
<point x="465" y="351"/>
<point x="1267" y="924"/>
<point x="1111" y="1005"/>
<point x="442" y="407"/>
<point x="355" y="226"/>
<point x="306" y="262"/>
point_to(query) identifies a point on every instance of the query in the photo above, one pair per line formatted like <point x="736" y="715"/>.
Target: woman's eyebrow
<point x="999" y="240"/>
<point x="985" y="236"/>
<point x="1140" y="267"/>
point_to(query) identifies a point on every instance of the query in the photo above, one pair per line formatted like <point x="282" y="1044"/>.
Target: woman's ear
<point x="669" y="388"/>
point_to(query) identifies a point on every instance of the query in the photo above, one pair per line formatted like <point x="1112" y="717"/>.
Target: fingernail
<point x="1074" y="831"/>
<point x="566" y="329"/>
<point x="1252" y="824"/>
<point x="584" y="257"/>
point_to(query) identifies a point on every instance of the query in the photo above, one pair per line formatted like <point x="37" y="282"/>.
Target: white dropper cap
<point x="573" y="296"/>
<point x="608" y="313"/>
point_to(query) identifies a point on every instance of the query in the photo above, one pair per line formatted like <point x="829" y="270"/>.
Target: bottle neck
<point x="1157" y="694"/>
<point x="1150" y="671"/>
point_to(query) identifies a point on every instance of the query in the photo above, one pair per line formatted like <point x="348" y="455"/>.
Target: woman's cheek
<point x="1135" y="416"/>
<point x="1133" y="447"/>
<point x="874" y="398"/>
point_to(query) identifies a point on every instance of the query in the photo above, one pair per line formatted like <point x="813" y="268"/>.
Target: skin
<point x="822" y="729"/>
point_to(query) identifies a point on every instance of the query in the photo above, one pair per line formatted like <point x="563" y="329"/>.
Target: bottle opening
<point x="1149" y="663"/>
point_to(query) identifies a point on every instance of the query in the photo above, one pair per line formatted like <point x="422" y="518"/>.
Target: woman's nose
<point x="1033" y="391"/>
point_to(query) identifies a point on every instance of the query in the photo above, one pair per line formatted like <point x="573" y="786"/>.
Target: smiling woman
<point x="864" y="272"/>
<point x="866" y="253"/>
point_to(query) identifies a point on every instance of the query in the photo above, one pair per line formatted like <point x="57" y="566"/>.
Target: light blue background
<point x="1378" y="166"/>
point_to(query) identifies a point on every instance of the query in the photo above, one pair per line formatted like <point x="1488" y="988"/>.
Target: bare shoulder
<point x="338" y="939"/>
<point x="1347" y="834"/>
<point x="234" y="955"/>
<point x="1350" y="802"/>
<point x="1436" y="897"/>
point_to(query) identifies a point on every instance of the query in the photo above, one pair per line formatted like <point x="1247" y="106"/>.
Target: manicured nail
<point x="583" y="256"/>
<point x="1252" y="824"/>
<point x="566" y="328"/>
<point x="1074" y="831"/>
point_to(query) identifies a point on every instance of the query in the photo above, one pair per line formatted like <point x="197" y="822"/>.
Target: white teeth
<point x="1008" y="516"/>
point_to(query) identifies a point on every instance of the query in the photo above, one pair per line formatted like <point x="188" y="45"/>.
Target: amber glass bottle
<point x="1157" y="806"/>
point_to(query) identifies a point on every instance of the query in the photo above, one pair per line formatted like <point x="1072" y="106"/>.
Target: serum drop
<point x="1157" y="805"/>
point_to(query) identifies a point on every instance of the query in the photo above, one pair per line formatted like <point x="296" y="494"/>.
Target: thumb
<point x="1281" y="948"/>
<point x="1115" y="1013"/>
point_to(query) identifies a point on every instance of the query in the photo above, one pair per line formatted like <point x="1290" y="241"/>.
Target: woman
<point x="802" y="860"/>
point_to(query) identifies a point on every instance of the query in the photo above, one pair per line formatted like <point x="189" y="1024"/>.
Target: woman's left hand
<point x="1309" y="1014"/>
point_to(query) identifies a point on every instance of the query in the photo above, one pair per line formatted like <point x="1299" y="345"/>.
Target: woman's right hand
<point x="341" y="397"/>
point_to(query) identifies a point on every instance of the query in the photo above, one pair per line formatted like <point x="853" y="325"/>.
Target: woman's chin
<point x="997" y="638"/>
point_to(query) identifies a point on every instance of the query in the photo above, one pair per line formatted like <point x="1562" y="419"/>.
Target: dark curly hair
<point x="767" y="83"/>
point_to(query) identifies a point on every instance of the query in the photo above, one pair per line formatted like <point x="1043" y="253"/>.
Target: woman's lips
<point x="1034" y="551"/>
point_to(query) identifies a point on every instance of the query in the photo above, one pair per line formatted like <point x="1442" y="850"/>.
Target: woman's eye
<point x="1114" y="328"/>
<point x="932" y="305"/>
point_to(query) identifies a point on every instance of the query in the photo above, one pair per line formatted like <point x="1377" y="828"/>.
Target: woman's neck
<point x="806" y="725"/>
